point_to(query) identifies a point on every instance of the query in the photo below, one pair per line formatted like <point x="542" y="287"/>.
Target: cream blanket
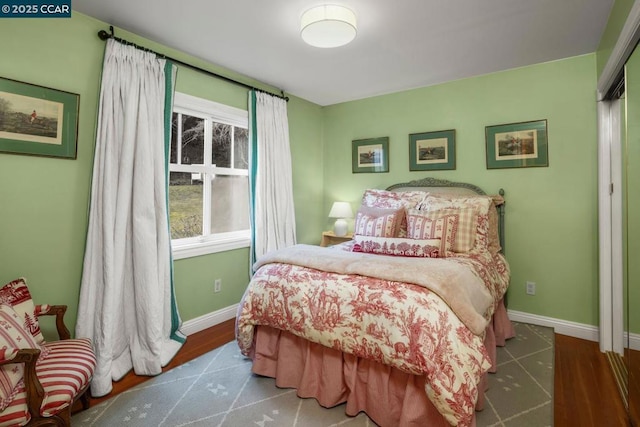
<point x="458" y="286"/>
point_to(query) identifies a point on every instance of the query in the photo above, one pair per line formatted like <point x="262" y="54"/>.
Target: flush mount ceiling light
<point x="328" y="26"/>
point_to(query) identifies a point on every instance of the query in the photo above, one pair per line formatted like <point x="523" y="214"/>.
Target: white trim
<point x="563" y="327"/>
<point x="209" y="247"/>
<point x="634" y="341"/>
<point x="617" y="288"/>
<point x="200" y="107"/>
<point x="201" y="323"/>
<point x="604" y="224"/>
<point x="627" y="41"/>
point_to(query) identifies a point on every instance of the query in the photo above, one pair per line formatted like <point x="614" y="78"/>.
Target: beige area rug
<point x="218" y="389"/>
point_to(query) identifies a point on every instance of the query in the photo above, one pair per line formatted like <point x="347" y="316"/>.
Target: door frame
<point x="609" y="188"/>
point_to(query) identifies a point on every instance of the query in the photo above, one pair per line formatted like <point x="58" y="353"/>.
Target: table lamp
<point x="341" y="211"/>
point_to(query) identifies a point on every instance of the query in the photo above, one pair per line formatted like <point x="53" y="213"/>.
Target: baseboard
<point x="563" y="327"/>
<point x="208" y="320"/>
<point x="634" y="341"/>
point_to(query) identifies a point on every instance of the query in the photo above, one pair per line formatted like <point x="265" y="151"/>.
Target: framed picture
<point x="370" y="155"/>
<point x="432" y="150"/>
<point x="517" y="145"/>
<point x="37" y="120"/>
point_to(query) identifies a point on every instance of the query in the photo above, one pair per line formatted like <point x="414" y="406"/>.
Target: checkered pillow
<point x="474" y="218"/>
<point x="466" y="227"/>
<point x="12" y="337"/>
<point x="431" y="225"/>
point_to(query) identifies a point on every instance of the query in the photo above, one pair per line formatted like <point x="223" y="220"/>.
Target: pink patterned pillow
<point x="429" y="225"/>
<point x="453" y="201"/>
<point x="12" y="337"/>
<point x="16" y="294"/>
<point x="378" y="222"/>
<point x="397" y="246"/>
<point x="393" y="200"/>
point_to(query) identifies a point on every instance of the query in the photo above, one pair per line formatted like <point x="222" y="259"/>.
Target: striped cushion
<point x="393" y="200"/>
<point x="434" y="225"/>
<point x="67" y="369"/>
<point x="378" y="222"/>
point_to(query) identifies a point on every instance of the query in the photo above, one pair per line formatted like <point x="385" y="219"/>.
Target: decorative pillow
<point x="16" y="294"/>
<point x="397" y="246"/>
<point x="466" y="226"/>
<point x="12" y="336"/>
<point x="378" y="222"/>
<point x="434" y="225"/>
<point x="479" y="224"/>
<point x="393" y="200"/>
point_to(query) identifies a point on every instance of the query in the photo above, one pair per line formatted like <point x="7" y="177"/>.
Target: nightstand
<point x="329" y="238"/>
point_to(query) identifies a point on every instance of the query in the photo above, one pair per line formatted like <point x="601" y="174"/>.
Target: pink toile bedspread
<point x="403" y="325"/>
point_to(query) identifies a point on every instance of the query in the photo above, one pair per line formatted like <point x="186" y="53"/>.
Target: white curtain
<point x="127" y="305"/>
<point x="273" y="223"/>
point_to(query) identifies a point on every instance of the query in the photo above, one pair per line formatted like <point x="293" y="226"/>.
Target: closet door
<point x="631" y="209"/>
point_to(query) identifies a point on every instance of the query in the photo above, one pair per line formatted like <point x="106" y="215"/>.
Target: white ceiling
<point x="401" y="44"/>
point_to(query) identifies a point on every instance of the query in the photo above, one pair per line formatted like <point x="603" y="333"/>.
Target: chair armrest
<point x="32" y="385"/>
<point x="58" y="311"/>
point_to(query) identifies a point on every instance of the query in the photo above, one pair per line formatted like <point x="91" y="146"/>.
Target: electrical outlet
<point x="531" y="288"/>
<point x="217" y="285"/>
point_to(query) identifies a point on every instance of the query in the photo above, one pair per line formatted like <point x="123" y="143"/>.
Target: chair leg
<point x="65" y="415"/>
<point x="58" y="420"/>
<point x="84" y="400"/>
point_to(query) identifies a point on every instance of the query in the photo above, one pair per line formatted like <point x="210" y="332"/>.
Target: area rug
<point x="218" y="389"/>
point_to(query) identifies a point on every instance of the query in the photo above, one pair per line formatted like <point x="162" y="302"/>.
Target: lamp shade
<point x="341" y="210"/>
<point x="328" y="26"/>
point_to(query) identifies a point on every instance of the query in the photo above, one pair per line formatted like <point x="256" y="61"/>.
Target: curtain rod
<point x="103" y="35"/>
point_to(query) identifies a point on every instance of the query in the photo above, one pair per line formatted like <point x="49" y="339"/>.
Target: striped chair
<point x="55" y="373"/>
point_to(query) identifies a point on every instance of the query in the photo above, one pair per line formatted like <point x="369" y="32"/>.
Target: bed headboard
<point x="435" y="185"/>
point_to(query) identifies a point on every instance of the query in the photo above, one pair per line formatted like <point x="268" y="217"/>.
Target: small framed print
<point x="517" y="145"/>
<point x="37" y="120"/>
<point x="370" y="155"/>
<point x="432" y="150"/>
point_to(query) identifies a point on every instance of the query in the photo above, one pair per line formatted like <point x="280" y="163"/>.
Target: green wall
<point x="551" y="212"/>
<point x="44" y="201"/>
<point x="617" y="18"/>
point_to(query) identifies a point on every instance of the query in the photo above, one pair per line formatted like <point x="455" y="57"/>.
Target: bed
<point x="402" y="322"/>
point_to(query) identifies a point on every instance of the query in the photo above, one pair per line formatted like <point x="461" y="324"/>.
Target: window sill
<point x="189" y="250"/>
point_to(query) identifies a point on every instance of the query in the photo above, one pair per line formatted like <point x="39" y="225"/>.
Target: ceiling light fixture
<point x="328" y="25"/>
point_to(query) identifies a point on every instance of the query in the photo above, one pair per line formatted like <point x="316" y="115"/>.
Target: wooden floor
<point x="585" y="392"/>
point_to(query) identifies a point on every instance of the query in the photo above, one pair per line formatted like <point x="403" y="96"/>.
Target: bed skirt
<point x="387" y="395"/>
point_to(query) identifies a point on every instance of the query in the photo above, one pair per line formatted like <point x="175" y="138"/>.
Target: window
<point x="208" y="177"/>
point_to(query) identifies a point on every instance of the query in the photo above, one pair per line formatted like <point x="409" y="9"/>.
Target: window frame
<point x="209" y="110"/>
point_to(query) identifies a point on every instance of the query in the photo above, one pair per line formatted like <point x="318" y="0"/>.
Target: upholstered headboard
<point x="435" y="185"/>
